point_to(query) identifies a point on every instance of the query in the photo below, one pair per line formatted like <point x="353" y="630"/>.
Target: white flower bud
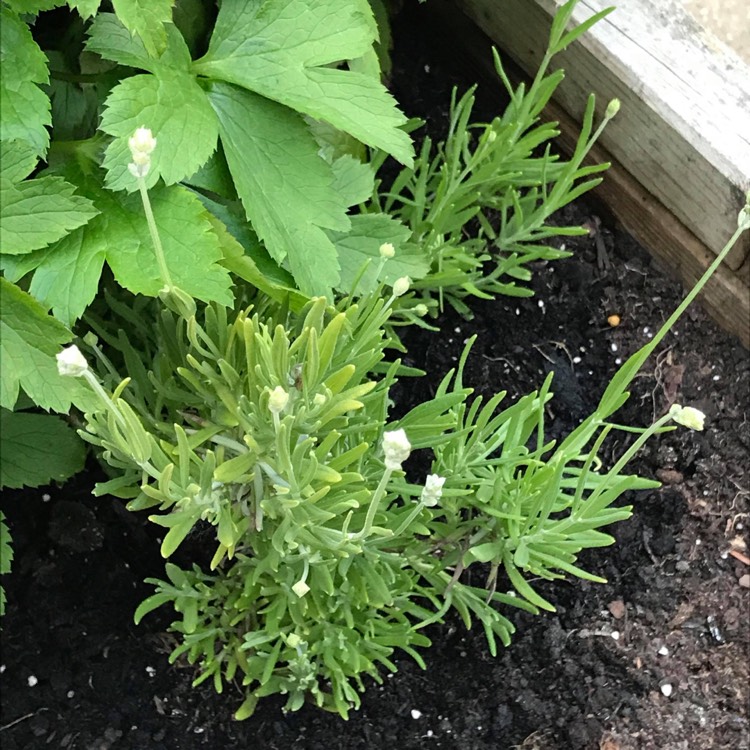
<point x="421" y="310"/>
<point x="396" y="447"/>
<point x="687" y="416"/>
<point x="142" y="142"/>
<point x="71" y="363"/>
<point x="277" y="400"/>
<point x="612" y="108"/>
<point x="491" y="136"/>
<point x="401" y="286"/>
<point x="141" y="159"/>
<point x="433" y="490"/>
<point x="300" y="588"/>
<point x="141" y="145"/>
<point x="293" y="640"/>
<point x="319" y="399"/>
<point x="387" y="250"/>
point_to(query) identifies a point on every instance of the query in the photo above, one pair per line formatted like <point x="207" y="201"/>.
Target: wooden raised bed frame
<point x="680" y="145"/>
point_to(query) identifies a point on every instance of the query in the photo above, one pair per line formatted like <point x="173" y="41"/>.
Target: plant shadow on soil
<point x="565" y="682"/>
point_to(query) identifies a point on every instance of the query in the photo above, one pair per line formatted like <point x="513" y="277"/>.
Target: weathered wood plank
<point x="684" y="128"/>
<point x="727" y="296"/>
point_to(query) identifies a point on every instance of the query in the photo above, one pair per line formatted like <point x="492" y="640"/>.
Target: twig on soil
<point x="659" y="378"/>
<point x="561" y="345"/>
<point x="646" y="534"/>
<point x="739" y="556"/>
<point x="539" y="349"/>
<point x="504" y="360"/>
<point x="22" y="718"/>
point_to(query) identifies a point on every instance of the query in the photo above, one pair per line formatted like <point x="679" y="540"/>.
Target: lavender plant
<point x="504" y="176"/>
<point x="328" y="555"/>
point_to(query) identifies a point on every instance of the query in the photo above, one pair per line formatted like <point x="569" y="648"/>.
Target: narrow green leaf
<point x="179" y="524"/>
<point x="149" y="605"/>
<point x="247" y="709"/>
<point x="523" y="588"/>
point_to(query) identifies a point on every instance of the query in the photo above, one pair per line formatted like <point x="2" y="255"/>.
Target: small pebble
<point x="576" y="360"/>
<point x="615" y="635"/>
<point x="666" y="690"/>
<point x="46" y="498"/>
<point x="698" y="542"/>
<point x="613" y="346"/>
<point x="540" y="303"/>
<point x="150" y="671"/>
<point x="32" y="680"/>
<point x="663" y="651"/>
<point x="71" y="693"/>
<point x="716" y="377"/>
<point x="415" y="714"/>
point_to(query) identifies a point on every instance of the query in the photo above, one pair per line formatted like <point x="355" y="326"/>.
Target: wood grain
<point x="683" y="254"/>
<point x="684" y="127"/>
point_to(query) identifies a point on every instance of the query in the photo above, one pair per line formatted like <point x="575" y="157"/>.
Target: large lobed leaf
<point x="25" y="107"/>
<point x="37" y="212"/>
<point x="286" y="188"/>
<point x="147" y="19"/>
<point x="175" y="108"/>
<point x="169" y="102"/>
<point x="29" y="341"/>
<point x="36" y="449"/>
<point x="66" y="274"/>
<point x="285" y="50"/>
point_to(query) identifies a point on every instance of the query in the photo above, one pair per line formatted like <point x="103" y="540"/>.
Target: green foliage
<point x="36" y="449"/>
<point x="29" y="341"/>
<point x="24" y="107"/>
<point x="270" y="425"/>
<point x="265" y="64"/>
<point x="504" y="177"/>
<point x="6" y="557"/>
<point x="325" y="559"/>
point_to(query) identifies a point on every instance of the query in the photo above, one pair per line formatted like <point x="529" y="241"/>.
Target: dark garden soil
<point x="656" y="658"/>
